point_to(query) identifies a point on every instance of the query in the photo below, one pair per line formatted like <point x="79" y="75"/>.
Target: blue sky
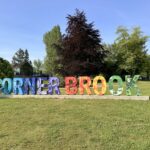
<point x="24" y="22"/>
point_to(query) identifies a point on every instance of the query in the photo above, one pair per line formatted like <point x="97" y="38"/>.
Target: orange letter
<point x="83" y="85"/>
<point x="71" y="88"/>
<point x="95" y="85"/>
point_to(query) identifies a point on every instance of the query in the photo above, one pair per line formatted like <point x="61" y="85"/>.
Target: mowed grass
<point x="35" y="124"/>
<point x="46" y="124"/>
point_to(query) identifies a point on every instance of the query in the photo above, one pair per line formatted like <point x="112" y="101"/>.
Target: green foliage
<point x="21" y="63"/>
<point x="51" y="39"/>
<point x="146" y="70"/>
<point x="26" y="56"/>
<point x="26" y="69"/>
<point x="128" y="52"/>
<point x="5" y="69"/>
<point x="38" y="65"/>
<point x="82" y="52"/>
<point x="20" y="57"/>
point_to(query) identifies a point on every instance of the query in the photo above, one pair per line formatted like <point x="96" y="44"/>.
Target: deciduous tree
<point x="5" y="69"/>
<point x="128" y="52"/>
<point x="38" y="65"/>
<point x="51" y="39"/>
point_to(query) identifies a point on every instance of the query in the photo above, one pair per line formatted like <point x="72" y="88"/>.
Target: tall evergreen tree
<point x="82" y="52"/>
<point x="26" y="56"/>
<point x="20" y="57"/>
<point x="21" y="63"/>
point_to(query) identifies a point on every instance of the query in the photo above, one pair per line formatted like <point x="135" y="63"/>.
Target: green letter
<point x="131" y="84"/>
<point x="120" y="85"/>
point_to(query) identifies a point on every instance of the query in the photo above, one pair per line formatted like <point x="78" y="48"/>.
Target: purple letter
<point x="53" y="84"/>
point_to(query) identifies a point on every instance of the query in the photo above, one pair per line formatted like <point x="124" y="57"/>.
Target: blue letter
<point x="7" y="86"/>
<point x="18" y="86"/>
<point x="29" y="84"/>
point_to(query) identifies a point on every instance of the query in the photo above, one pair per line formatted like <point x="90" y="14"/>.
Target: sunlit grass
<point x="74" y="124"/>
<point x="42" y="124"/>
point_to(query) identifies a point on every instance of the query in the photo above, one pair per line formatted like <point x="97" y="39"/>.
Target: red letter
<point x="71" y="88"/>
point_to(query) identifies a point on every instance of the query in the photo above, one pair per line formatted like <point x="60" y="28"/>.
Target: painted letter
<point x="18" y="86"/>
<point x="120" y="85"/>
<point x="53" y="84"/>
<point x="103" y="85"/>
<point x="29" y="84"/>
<point x="7" y="86"/>
<point x="71" y="85"/>
<point x="131" y="84"/>
<point x="41" y="85"/>
<point x="84" y="83"/>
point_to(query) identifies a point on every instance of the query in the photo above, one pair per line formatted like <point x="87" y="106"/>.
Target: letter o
<point x="120" y="85"/>
<point x="95" y="86"/>
<point x="7" y="89"/>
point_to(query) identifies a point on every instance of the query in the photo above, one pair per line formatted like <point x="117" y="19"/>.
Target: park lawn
<point x="144" y="87"/>
<point x="42" y="124"/>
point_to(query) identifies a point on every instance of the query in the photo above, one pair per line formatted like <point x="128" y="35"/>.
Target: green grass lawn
<point x="35" y="124"/>
<point x="144" y="87"/>
<point x="46" y="124"/>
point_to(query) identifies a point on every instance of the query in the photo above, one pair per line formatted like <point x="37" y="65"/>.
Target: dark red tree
<point x="82" y="52"/>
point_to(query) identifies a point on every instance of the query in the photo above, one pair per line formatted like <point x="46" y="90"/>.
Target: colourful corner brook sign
<point x="73" y="85"/>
